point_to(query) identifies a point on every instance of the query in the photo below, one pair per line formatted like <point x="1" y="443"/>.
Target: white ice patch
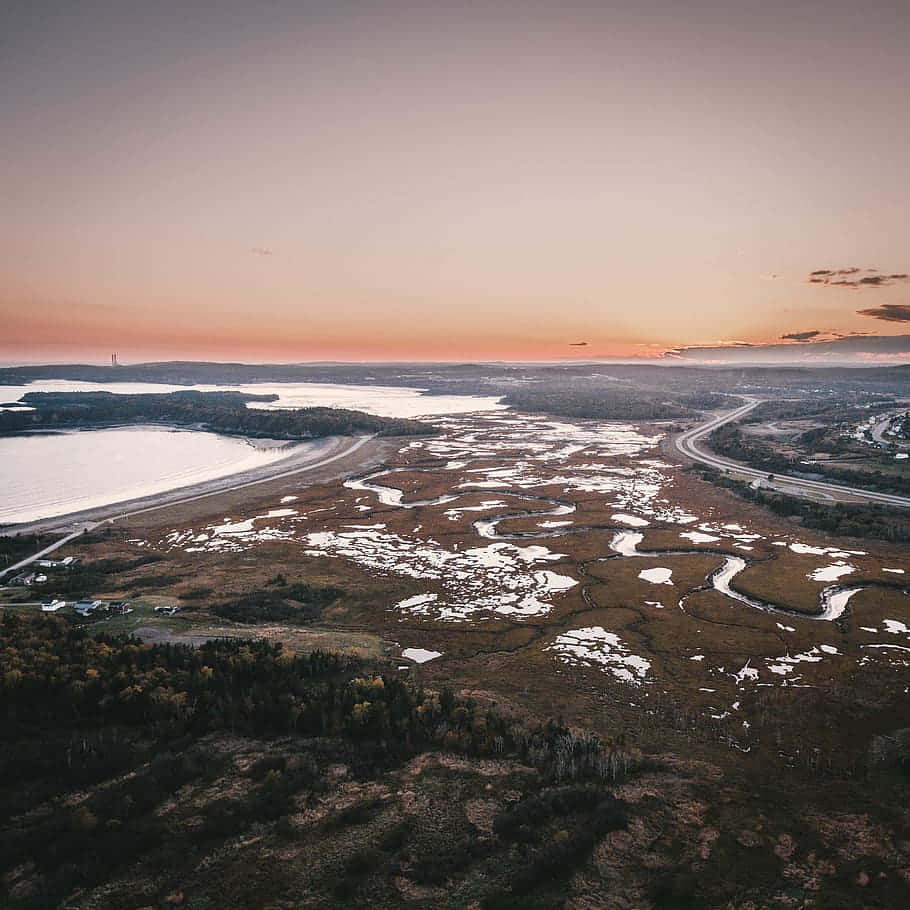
<point x="832" y="572"/>
<point x="699" y="537"/>
<point x="496" y="579"/>
<point x="420" y="655"/>
<point x="594" y="646"/>
<point x="455" y="514"/>
<point x="417" y="601"/>
<point x="657" y="576"/>
<point x="626" y="543"/>
<point x="633" y="521"/>
<point x="783" y="666"/>
<point x="895" y="627"/>
<point x="747" y="672"/>
<point x="805" y="549"/>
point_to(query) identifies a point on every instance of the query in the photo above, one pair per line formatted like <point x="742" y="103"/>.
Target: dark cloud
<point x="261" y="251"/>
<point x="578" y="344"/>
<point x="801" y="336"/>
<point x="863" y="349"/>
<point x="889" y="312"/>
<point x="871" y="278"/>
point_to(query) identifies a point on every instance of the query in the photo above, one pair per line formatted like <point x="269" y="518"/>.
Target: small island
<point x="218" y="412"/>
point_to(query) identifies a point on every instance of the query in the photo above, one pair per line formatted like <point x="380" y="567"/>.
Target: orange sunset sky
<point x="298" y="181"/>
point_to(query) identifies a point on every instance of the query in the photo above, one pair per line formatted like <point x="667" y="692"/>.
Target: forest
<point x="127" y="725"/>
<point x="220" y="412"/>
<point x="840" y="519"/>
<point x="608" y="400"/>
<point x="730" y="441"/>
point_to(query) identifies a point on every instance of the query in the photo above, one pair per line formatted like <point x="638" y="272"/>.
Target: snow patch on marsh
<point x="595" y="646"/>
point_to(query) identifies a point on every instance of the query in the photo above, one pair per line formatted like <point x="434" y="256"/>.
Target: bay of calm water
<point x="42" y="476"/>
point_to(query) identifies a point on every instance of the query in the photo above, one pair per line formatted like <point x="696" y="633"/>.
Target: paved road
<point x="42" y="553"/>
<point x="687" y="445"/>
<point x="349" y="449"/>
<point x="878" y="432"/>
<point x="352" y="447"/>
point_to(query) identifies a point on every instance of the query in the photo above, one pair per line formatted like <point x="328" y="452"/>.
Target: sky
<point x="296" y="181"/>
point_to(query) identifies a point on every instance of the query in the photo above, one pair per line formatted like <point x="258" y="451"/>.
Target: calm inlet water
<point x="44" y="476"/>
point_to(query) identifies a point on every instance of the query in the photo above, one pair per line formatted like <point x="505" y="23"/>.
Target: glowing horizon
<point x="387" y="182"/>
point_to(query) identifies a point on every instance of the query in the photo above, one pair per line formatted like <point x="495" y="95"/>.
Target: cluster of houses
<point x="85" y="608"/>
<point x="68" y="562"/>
<point x="92" y="607"/>
<point x="167" y="611"/>
<point x="37" y="577"/>
<point x="89" y="607"/>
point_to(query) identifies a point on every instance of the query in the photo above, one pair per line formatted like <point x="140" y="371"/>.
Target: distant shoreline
<point x="256" y="441"/>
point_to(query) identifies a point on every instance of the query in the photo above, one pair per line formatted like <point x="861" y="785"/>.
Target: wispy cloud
<point x="261" y="251"/>
<point x="801" y="336"/>
<point x="888" y="312"/>
<point x="854" y="277"/>
<point x="827" y="349"/>
<point x="578" y="344"/>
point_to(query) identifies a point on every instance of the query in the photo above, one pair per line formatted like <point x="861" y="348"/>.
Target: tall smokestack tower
<point x="114" y="360"/>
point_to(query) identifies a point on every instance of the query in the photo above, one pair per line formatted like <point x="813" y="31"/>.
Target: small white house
<point x="52" y="606"/>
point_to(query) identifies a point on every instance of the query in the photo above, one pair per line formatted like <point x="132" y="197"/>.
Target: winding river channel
<point x="833" y="599"/>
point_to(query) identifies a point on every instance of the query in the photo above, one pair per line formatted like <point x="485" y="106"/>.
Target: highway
<point x="687" y="445"/>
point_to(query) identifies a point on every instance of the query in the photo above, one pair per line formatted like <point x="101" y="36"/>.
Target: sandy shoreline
<point x="327" y="458"/>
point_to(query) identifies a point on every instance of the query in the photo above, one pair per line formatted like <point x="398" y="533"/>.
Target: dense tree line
<point x="78" y="711"/>
<point x="496" y="378"/>
<point x="14" y="547"/>
<point x="222" y="412"/>
<point x="730" y="441"/>
<point x="299" y="602"/>
<point x="87" y="579"/>
<point x="840" y="519"/>
<point x="835" y="406"/>
<point x="605" y="400"/>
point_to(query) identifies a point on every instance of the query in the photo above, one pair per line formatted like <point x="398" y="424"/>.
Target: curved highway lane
<point x="687" y="445"/>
